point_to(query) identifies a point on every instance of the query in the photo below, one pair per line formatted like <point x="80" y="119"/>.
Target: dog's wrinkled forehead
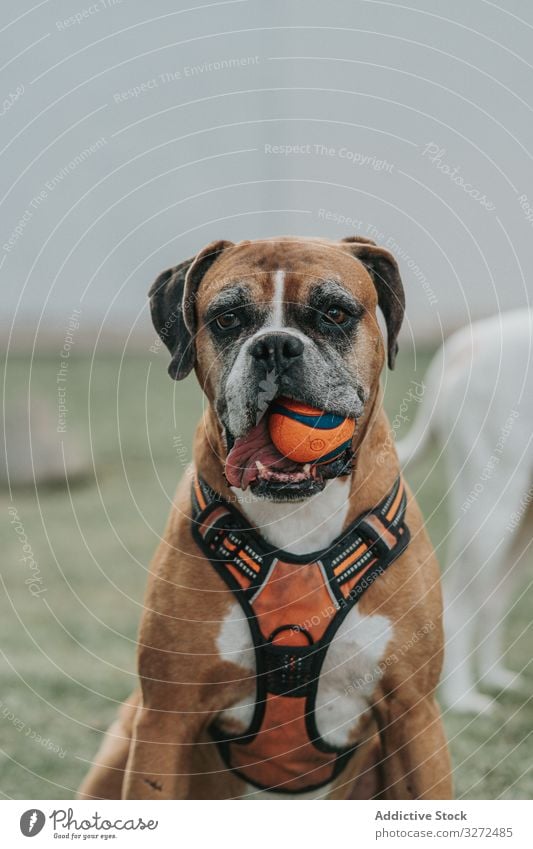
<point x="285" y="270"/>
<point x="276" y="274"/>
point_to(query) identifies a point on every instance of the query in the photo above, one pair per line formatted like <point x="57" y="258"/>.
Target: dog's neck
<point x="299" y="527"/>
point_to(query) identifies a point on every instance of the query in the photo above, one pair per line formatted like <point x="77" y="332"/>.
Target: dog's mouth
<point x="254" y="461"/>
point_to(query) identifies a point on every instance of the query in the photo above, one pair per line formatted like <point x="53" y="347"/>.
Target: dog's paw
<point x="470" y="702"/>
<point x="499" y="678"/>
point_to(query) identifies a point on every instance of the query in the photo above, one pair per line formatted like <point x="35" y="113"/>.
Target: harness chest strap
<point x="294" y="606"/>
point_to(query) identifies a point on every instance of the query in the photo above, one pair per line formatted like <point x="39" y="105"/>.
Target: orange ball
<point x="307" y="435"/>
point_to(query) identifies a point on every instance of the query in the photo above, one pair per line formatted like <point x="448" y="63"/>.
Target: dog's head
<point x="282" y="317"/>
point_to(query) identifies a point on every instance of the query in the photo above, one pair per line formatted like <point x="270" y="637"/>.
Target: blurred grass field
<point x="68" y="658"/>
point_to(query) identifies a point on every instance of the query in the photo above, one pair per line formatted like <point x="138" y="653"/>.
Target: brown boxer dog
<point x="291" y="637"/>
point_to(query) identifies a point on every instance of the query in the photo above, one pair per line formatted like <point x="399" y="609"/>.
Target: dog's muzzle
<point x="271" y="365"/>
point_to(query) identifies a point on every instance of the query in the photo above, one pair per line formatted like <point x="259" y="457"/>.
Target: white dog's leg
<point x="458" y="688"/>
<point x="479" y="408"/>
<point x="493" y="671"/>
<point x="481" y="582"/>
<point x="472" y="569"/>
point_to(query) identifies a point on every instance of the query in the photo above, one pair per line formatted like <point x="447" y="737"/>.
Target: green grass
<point x="68" y="657"/>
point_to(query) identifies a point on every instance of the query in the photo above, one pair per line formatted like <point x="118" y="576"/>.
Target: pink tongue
<point x="241" y="468"/>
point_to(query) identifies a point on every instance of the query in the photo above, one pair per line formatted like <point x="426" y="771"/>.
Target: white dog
<point x="478" y="405"/>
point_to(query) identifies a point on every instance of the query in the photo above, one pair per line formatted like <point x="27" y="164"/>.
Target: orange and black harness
<point x="294" y="606"/>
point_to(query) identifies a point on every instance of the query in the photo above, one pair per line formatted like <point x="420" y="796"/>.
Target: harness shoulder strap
<point x="232" y="546"/>
<point x="368" y="546"/>
<point x="371" y="544"/>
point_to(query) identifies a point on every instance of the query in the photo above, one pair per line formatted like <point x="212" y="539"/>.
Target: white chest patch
<point x="234" y="641"/>
<point x="349" y="675"/>
<point x="235" y="645"/>
<point x="352" y="667"/>
<point x="304" y="526"/>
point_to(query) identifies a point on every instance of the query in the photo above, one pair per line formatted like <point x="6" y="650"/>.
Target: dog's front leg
<point x="415" y="761"/>
<point x="160" y="759"/>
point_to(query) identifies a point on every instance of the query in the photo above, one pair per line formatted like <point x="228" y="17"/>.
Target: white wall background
<point x="183" y="160"/>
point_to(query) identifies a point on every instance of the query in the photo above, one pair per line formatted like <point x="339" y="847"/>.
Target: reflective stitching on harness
<point x="327" y="583"/>
<point x="294" y="606"/>
<point x="264" y="582"/>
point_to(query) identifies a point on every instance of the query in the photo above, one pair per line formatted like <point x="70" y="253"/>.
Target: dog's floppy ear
<point x="172" y="298"/>
<point x="385" y="274"/>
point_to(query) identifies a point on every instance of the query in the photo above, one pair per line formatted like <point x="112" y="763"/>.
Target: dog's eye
<point x="335" y="315"/>
<point x="228" y="321"/>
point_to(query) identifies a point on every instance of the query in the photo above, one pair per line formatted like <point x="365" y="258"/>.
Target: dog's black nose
<point x="277" y="350"/>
